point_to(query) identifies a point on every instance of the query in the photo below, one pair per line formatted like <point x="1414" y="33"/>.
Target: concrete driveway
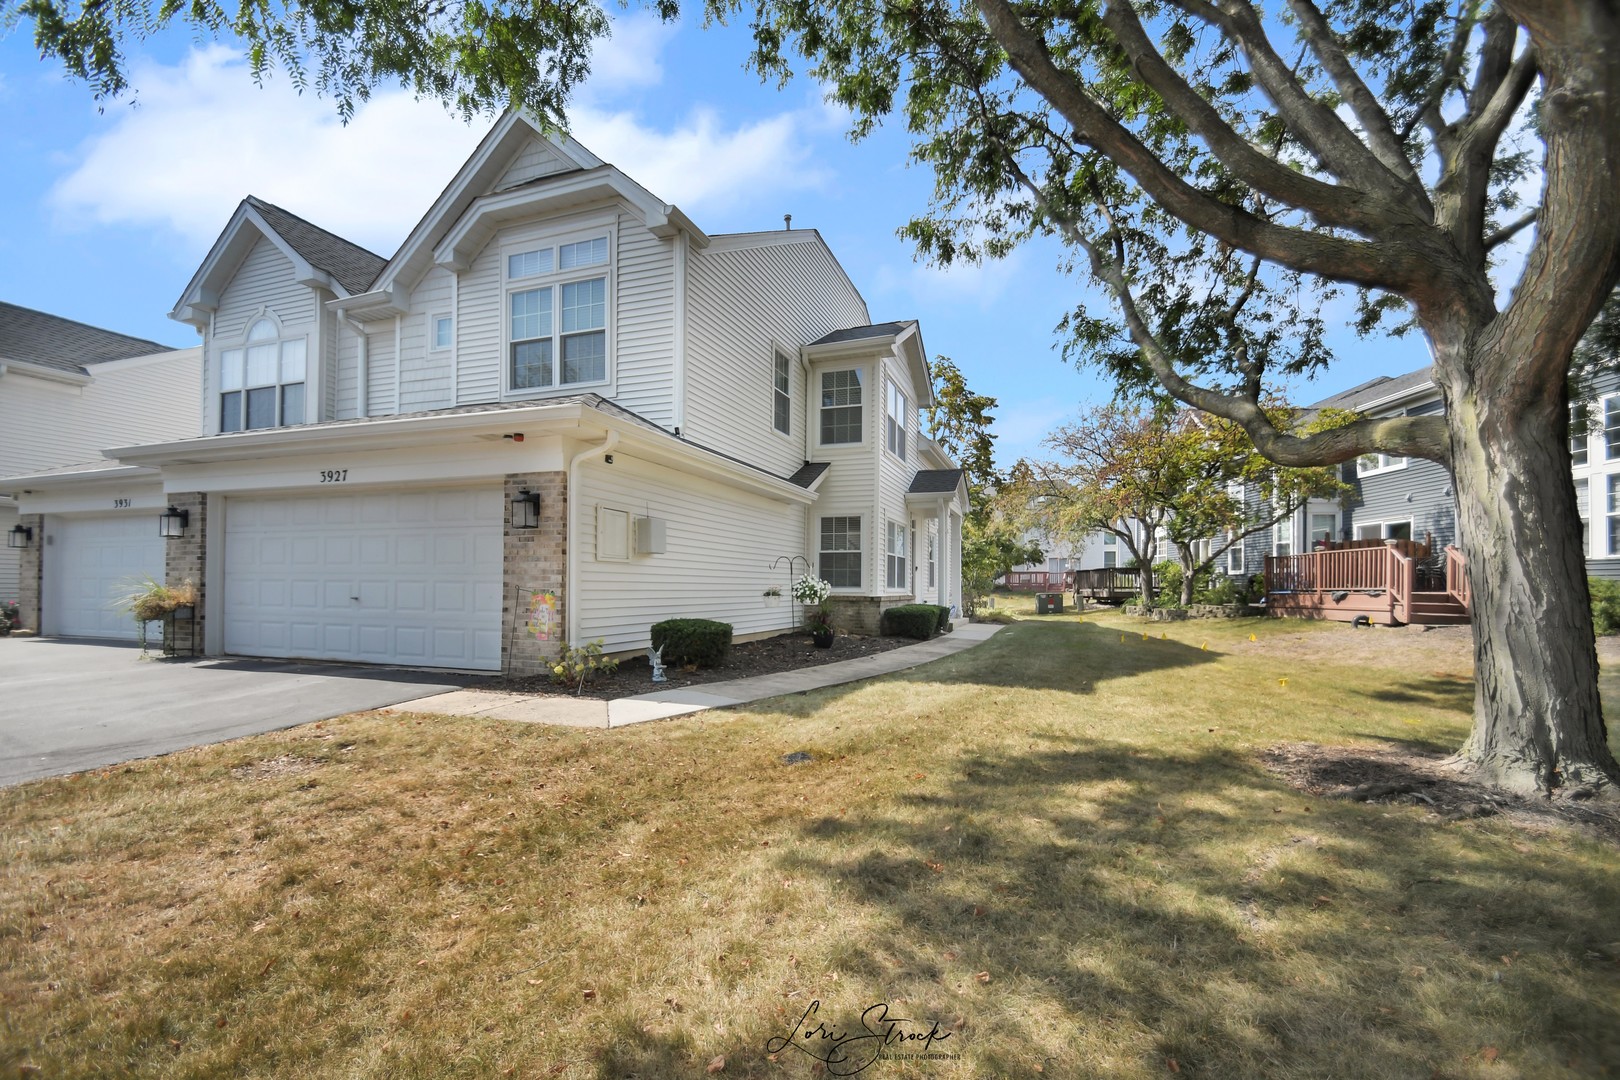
<point x="70" y="705"/>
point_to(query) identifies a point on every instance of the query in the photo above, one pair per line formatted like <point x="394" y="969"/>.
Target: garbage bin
<point x="1040" y="604"/>
<point x="1054" y="602"/>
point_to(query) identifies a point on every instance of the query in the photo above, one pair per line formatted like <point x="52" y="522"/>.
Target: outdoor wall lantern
<point x="526" y="510"/>
<point x="19" y="536"/>
<point x="172" y="523"/>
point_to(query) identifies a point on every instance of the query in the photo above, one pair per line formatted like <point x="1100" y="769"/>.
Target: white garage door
<point x="411" y="578"/>
<point x="89" y="563"/>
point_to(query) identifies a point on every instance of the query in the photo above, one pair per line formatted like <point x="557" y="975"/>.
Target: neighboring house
<point x="66" y="391"/>
<point x="560" y="412"/>
<point x="1596" y="461"/>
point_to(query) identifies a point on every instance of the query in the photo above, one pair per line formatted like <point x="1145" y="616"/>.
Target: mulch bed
<point x="1393" y="776"/>
<point x="768" y="656"/>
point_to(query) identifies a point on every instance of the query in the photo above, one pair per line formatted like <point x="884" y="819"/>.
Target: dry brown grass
<point x="1061" y="845"/>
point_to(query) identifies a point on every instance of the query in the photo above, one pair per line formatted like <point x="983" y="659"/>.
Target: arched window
<point x="262" y="383"/>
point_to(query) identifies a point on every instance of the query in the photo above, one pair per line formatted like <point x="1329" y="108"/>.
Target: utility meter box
<point x="650" y="536"/>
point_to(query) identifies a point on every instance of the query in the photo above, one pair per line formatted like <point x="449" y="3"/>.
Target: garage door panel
<point x="90" y="563"/>
<point x="427" y="576"/>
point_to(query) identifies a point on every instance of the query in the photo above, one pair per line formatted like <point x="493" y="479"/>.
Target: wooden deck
<point x="1377" y="581"/>
<point x="1035" y="581"/>
<point x="1108" y="585"/>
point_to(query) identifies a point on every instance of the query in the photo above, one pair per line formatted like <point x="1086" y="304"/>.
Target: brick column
<point x="534" y="575"/>
<point x="185" y="558"/>
<point x="30" y="569"/>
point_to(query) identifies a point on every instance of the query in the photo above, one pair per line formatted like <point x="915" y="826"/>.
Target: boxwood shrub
<point x="918" y="621"/>
<point x="1605" y="605"/>
<point x="702" y="642"/>
<point x="944" y="618"/>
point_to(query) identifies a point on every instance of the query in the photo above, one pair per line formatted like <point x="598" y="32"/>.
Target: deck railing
<point x="1348" y="569"/>
<point x="1457" y="577"/>
<point x="1036" y="581"/>
<point x="1107" y="581"/>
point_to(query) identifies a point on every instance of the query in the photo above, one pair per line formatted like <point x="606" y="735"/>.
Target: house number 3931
<point x="334" y="476"/>
<point x="121" y="504"/>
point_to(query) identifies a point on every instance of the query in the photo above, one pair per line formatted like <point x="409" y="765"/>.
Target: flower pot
<point x="772" y="601"/>
<point x="822" y="638"/>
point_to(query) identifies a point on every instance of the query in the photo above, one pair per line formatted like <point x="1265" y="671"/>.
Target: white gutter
<point x="570" y="607"/>
<point x="680" y="333"/>
<point x="40" y="371"/>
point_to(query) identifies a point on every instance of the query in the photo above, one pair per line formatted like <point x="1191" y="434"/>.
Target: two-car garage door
<point x="402" y="577"/>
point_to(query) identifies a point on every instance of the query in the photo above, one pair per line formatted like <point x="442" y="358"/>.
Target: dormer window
<point x="262" y="382"/>
<point x="557" y="316"/>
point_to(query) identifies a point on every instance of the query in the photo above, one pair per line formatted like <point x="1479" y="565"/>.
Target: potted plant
<point x="773" y="596"/>
<point x="10" y="616"/>
<point x="152" y="601"/>
<point x="818" y="621"/>
<point x="810" y="589"/>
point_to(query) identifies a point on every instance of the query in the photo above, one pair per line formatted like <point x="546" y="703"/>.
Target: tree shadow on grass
<point x="1455" y="694"/>
<point x="1184" y="906"/>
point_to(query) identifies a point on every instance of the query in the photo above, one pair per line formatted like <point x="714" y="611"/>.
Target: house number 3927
<point x="334" y="476"/>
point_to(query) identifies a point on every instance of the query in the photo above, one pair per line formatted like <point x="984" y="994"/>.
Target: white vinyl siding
<point x="713" y="564"/>
<point x="537" y="158"/>
<point x="742" y="303"/>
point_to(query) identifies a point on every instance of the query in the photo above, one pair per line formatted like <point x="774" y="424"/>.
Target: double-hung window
<point x="782" y="393"/>
<point x="1110" y="550"/>
<point x="894" y="423"/>
<point x="262" y="383"/>
<point x="895" y="557"/>
<point x="1234" y="555"/>
<point x="1282" y="536"/>
<point x="557" y="316"/>
<point x="933" y="555"/>
<point x="1613" y="514"/>
<point x="841" y="552"/>
<point x="1323" y="528"/>
<point x="1611" y="430"/>
<point x="841" y="407"/>
<point x="1577" y="433"/>
<point x="1371" y="464"/>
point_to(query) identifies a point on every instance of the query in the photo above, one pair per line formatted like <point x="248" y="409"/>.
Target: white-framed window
<point x="1384" y="530"/>
<point x="261" y="382"/>
<point x="1234" y="555"/>
<point x="1583" y="507"/>
<point x="1110" y="550"/>
<point x="612" y="534"/>
<point x="841" y="407"/>
<point x="1578" y="417"/>
<point x="1613" y="513"/>
<point x="442" y="333"/>
<point x="557" y="316"/>
<point x="895" y="557"/>
<point x="1373" y="464"/>
<point x="1324" y="527"/>
<point x="933" y="555"/>
<point x="840" y="562"/>
<point x="1611" y="429"/>
<point x="1282" y="536"/>
<point x="896" y="409"/>
<point x="782" y="393"/>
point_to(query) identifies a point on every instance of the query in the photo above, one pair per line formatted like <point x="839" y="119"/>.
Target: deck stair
<point x="1437" y="609"/>
<point x="1371" y="582"/>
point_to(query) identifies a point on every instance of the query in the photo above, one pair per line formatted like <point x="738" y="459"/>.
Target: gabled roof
<point x="935" y="482"/>
<point x="50" y="341"/>
<point x="1382" y="388"/>
<point x="860" y="333"/>
<point x="351" y="265"/>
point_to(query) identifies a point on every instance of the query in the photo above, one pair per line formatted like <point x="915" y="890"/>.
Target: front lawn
<point x="1062" y="846"/>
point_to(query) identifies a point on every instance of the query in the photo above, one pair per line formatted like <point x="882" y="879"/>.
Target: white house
<point x="560" y="412"/>
<point x="66" y="391"/>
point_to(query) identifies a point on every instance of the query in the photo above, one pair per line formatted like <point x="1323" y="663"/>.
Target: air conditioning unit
<point x="650" y="536"/>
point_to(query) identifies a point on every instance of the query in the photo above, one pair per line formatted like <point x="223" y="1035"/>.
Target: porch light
<point x="526" y="510"/>
<point x="172" y="523"/>
<point x="19" y="536"/>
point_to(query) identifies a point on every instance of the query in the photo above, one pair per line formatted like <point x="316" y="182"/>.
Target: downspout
<point x="679" y="357"/>
<point x="569" y="593"/>
<point x="399" y="368"/>
<point x="363" y="383"/>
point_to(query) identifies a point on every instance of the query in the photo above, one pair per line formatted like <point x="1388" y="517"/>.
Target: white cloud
<point x="629" y="57"/>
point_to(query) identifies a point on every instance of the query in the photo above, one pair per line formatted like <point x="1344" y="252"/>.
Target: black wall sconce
<point x="172" y="523"/>
<point x="19" y="536"/>
<point x="526" y="510"/>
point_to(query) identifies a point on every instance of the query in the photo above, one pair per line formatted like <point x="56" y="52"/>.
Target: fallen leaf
<point x="983" y="976"/>
<point x="978" y="912"/>
<point x="950" y="956"/>
<point x="1175" y="1066"/>
<point x="589" y="995"/>
<point x="1490" y="1053"/>
<point x="221" y="1022"/>
<point x="716" y="1064"/>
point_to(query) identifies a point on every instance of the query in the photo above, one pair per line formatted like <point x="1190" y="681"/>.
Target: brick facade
<point x="30" y="570"/>
<point x="861" y="614"/>
<point x="185" y="558"/>
<point x="534" y="572"/>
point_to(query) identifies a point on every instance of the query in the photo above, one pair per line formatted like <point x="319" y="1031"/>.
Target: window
<point x="841" y="552"/>
<point x="1234" y="556"/>
<point x="1577" y="433"/>
<point x="1371" y="464"/>
<point x="443" y="332"/>
<point x="933" y="554"/>
<point x="840" y="407"/>
<point x="894" y="424"/>
<point x="262" y="383"/>
<point x="1614" y="513"/>
<point x="896" y="557"/>
<point x="557" y="332"/>
<point x="1282" y="537"/>
<point x="1385" y="530"/>
<point x="1324" y="527"/>
<point x="782" y="396"/>
<point x="1611" y="430"/>
<point x="1110" y="550"/>
<point x="1583" y="507"/>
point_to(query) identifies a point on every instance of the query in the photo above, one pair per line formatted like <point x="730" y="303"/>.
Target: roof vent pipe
<point x="787" y="219"/>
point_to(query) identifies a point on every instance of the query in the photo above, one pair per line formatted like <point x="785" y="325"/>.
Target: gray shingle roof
<point x="856" y="333"/>
<point x="935" y="481"/>
<point x="351" y="265"/>
<point x="33" y="337"/>
<point x="1375" y="390"/>
<point x="808" y="473"/>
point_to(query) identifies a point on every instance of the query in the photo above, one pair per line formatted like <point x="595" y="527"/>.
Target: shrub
<point x="918" y="621"/>
<point x="699" y="642"/>
<point x="1605" y="605"/>
<point x="1222" y="590"/>
<point x="575" y="667"/>
<point x="944" y="618"/>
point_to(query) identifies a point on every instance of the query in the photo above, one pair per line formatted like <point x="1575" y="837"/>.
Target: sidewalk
<point x="663" y="704"/>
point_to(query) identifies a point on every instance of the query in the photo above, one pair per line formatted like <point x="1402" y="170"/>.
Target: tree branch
<point x="1428" y="110"/>
<point x="1510" y="230"/>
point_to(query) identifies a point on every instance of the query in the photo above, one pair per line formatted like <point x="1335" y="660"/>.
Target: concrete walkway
<point x="663" y="704"/>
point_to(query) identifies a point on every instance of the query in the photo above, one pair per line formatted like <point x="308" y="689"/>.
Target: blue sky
<point x="109" y="212"/>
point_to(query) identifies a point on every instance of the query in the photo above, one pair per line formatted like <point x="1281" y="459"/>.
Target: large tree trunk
<point x="1538" y="723"/>
<point x="1189" y="577"/>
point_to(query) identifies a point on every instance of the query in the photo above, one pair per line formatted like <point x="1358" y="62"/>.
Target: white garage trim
<point x="407" y="577"/>
<point x="89" y="561"/>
